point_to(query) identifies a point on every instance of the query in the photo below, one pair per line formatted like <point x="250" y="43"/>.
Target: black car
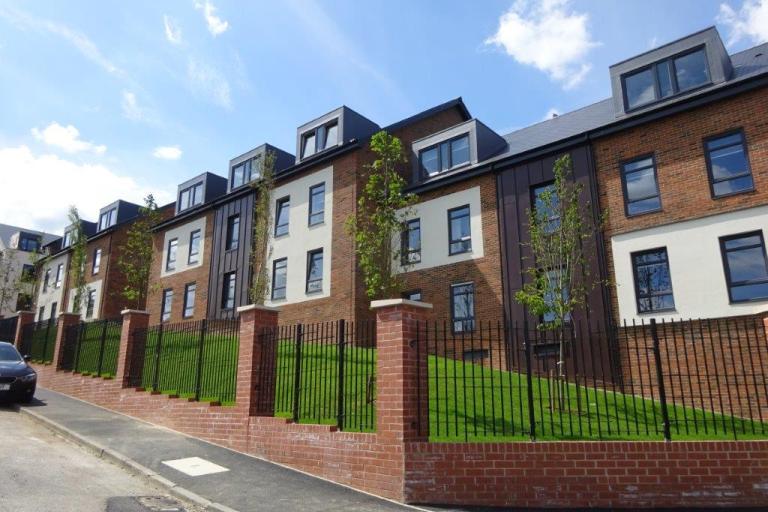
<point x="17" y="379"/>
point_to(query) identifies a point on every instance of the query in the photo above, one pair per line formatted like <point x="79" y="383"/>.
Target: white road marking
<point x="195" y="466"/>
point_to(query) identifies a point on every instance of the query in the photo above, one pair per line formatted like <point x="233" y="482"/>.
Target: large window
<point x="653" y="282"/>
<point x="244" y="172"/>
<point x="46" y="279"/>
<point x="641" y="188"/>
<point x="314" y="271"/>
<point x="460" y="239"/>
<point x="194" y="247"/>
<point x="666" y="78"/>
<point x="319" y="139"/>
<point x="317" y="204"/>
<point x="550" y="294"/>
<point x="281" y="216"/>
<point x="67" y="239"/>
<point x="191" y="196"/>
<point x="463" y="307"/>
<point x="107" y="219"/>
<point x="279" y="278"/>
<point x="546" y="205"/>
<point x="746" y="266"/>
<point x="189" y="300"/>
<point x="233" y="233"/>
<point x="29" y="243"/>
<point x="410" y="240"/>
<point x="170" y="258"/>
<point x="728" y="165"/>
<point x="165" y="313"/>
<point x="59" y="275"/>
<point x="90" y="303"/>
<point x="445" y="155"/>
<point x="228" y="291"/>
<point x="96" y="261"/>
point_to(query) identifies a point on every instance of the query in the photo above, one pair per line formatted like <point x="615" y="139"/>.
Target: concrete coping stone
<point x="134" y="312"/>
<point x="257" y="307"/>
<point x="376" y="304"/>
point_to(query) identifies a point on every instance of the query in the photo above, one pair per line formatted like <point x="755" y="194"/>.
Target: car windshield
<point x="8" y="353"/>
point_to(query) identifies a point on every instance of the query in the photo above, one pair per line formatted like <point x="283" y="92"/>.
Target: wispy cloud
<point x="207" y="80"/>
<point x="216" y="25"/>
<point x="172" y="30"/>
<point x="167" y="152"/>
<point x="750" y="22"/>
<point x="130" y="106"/>
<point x="66" y="138"/>
<point x="549" y="36"/>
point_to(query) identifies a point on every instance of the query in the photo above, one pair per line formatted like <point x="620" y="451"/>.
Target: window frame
<point x="312" y="189"/>
<point x="632" y="256"/>
<point x="625" y="191"/>
<point x="191" y="245"/>
<point x="451" y="241"/>
<point x="90" y="303"/>
<point x="165" y="313"/>
<point x="173" y="242"/>
<point x="438" y="146"/>
<point x="408" y="295"/>
<point x="192" y="195"/>
<point x="708" y="160"/>
<point x="230" y="283"/>
<point x="319" y="132"/>
<point x="46" y="279"/>
<point x="274" y="279"/>
<point x="187" y="287"/>
<point x="670" y="61"/>
<point x="726" y="267"/>
<point x="232" y="235"/>
<point x="472" y="318"/>
<point x="59" y="275"/>
<point x="405" y="240"/>
<point x="111" y="216"/>
<point x="247" y="166"/>
<point x="67" y="240"/>
<point x="26" y="239"/>
<point x="533" y="196"/>
<point x="96" y="265"/>
<point x="310" y="255"/>
<point x="278" y="206"/>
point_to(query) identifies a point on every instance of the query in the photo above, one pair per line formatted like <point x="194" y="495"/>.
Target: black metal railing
<point x="92" y="348"/>
<point x="38" y="340"/>
<point x="192" y="359"/>
<point x="322" y="373"/>
<point x="8" y="329"/>
<point x="703" y="379"/>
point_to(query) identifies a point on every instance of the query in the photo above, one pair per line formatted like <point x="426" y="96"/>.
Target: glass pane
<point x="650" y="257"/>
<point x="237" y="175"/>
<point x="414" y="237"/>
<point x="459" y="227"/>
<point x="733" y="186"/>
<point x="283" y="210"/>
<point x="747" y="264"/>
<point x="429" y="161"/>
<point x="646" y="205"/>
<point x="743" y="241"/>
<point x="750" y="292"/>
<point x="638" y="164"/>
<point x="641" y="184"/>
<point x="309" y="146"/>
<point x="460" y="151"/>
<point x="728" y="140"/>
<point x="727" y="162"/>
<point x="332" y="135"/>
<point x="639" y="88"/>
<point x="445" y="156"/>
<point x="197" y="191"/>
<point x="691" y="70"/>
<point x="659" y="303"/>
<point x="184" y="200"/>
<point x="653" y="279"/>
<point x="665" y="79"/>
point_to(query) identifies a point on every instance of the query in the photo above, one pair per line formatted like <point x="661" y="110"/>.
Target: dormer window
<point x="666" y="78"/>
<point x="29" y="243"/>
<point x="191" y="196"/>
<point x="244" y="172"/>
<point x="319" y="139"/>
<point x="445" y="155"/>
<point x="107" y="219"/>
<point x="68" y="239"/>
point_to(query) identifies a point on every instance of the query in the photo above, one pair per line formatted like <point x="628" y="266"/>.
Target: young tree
<point x="382" y="209"/>
<point x="262" y="225"/>
<point x="561" y="230"/>
<point x="77" y="261"/>
<point x="135" y="254"/>
<point x="10" y="284"/>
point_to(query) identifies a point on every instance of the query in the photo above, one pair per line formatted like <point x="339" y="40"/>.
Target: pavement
<point x="243" y="483"/>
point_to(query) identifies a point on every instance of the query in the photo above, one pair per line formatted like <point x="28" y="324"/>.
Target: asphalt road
<point x="44" y="472"/>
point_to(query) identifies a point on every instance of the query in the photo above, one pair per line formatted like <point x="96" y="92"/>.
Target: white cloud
<point x="58" y="184"/>
<point x="552" y="112"/>
<point x="750" y="22"/>
<point x="549" y="36"/>
<point x="130" y="106"/>
<point x="172" y="30"/>
<point x="209" y="81"/>
<point x="167" y="152"/>
<point x="216" y="25"/>
<point x="66" y="138"/>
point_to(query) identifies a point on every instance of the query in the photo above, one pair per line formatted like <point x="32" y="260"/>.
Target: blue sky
<point x="108" y="100"/>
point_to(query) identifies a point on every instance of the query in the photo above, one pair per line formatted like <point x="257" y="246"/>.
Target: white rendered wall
<point x="182" y="234"/>
<point x="53" y="294"/>
<point x="96" y="285"/>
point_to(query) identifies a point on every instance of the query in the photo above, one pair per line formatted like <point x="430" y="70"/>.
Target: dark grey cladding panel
<point x="351" y="126"/>
<point x="213" y="186"/>
<point x="125" y="210"/>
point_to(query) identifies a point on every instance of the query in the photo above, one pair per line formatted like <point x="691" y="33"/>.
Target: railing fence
<point x="8" y="328"/>
<point x="92" y="348"/>
<point x="38" y="340"/>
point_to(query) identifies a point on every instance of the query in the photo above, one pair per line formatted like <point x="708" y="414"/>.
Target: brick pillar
<point x="64" y="321"/>
<point x="25" y="318"/>
<point x="257" y="396"/>
<point x="133" y="320"/>
<point x="402" y="399"/>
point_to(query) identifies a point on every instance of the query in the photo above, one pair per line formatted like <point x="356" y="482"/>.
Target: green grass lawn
<point x="86" y="357"/>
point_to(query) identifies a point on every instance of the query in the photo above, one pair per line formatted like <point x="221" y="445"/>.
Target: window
<point x="243" y="172"/>
<point x="279" y="278"/>
<point x="170" y="259"/>
<point x="410" y="240"/>
<point x="189" y="300"/>
<point x="28" y="272"/>
<point x="54" y="307"/>
<point x="194" y="247"/>
<point x="315" y="271"/>
<point x="445" y="155"/>
<point x="281" y="218"/>
<point x="653" y="283"/>
<point x="549" y="297"/>
<point x="228" y="291"/>
<point x="317" y="204"/>
<point x="107" y="219"/>
<point x="41" y="314"/>
<point x="746" y="266"/>
<point x="191" y="196"/>
<point x="665" y="78"/>
<point x="459" y="230"/>
<point x="319" y="139"/>
<point x="90" y="303"/>
<point x="641" y="188"/>
<point x="233" y="233"/>
<point x="165" y="313"/>
<point x="728" y="165"/>
<point x="463" y="307"/>
<point x="29" y="243"/>
<point x="67" y="239"/>
<point x="59" y="275"/>
<point x="546" y="205"/>
<point x="46" y="279"/>
<point x="96" y="261"/>
<point x="414" y="295"/>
